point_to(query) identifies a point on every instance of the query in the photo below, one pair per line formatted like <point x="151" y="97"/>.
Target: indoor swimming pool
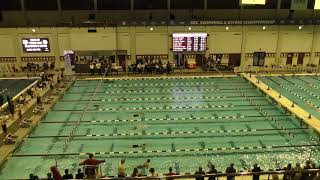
<point x="179" y="122"/>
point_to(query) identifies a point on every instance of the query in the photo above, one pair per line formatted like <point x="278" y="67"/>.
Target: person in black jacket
<point x="212" y="171"/>
<point x="231" y="169"/>
<point x="200" y="172"/>
<point x="256" y="168"/>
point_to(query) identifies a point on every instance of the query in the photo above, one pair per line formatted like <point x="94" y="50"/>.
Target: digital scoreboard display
<point x="35" y="45"/>
<point x="189" y="42"/>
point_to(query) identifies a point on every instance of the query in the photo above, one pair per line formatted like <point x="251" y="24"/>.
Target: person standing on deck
<point x="91" y="66"/>
<point x="122" y="169"/>
<point x="231" y="169"/>
<point x="1" y="99"/>
<point x="98" y="67"/>
<point x="4" y="125"/>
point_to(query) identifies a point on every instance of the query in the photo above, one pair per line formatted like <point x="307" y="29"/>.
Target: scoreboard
<point x="189" y="42"/>
<point x="32" y="45"/>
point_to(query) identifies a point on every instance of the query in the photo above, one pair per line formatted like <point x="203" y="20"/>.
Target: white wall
<point x="142" y="41"/>
<point x="152" y="43"/>
<point x="293" y="41"/>
<point x="6" y="46"/>
<point x="225" y="42"/>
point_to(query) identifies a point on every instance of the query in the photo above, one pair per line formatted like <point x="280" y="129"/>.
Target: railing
<point x="219" y="175"/>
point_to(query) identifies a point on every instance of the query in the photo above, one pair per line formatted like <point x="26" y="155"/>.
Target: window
<point x="77" y="4"/>
<point x="150" y="4"/>
<point x="41" y="4"/>
<point x="187" y="4"/>
<point x="223" y="4"/>
<point x="113" y="4"/>
<point x="10" y="5"/>
<point x="285" y="4"/>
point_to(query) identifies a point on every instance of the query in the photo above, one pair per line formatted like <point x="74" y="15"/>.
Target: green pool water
<point x="14" y="86"/>
<point x="303" y="90"/>
<point x="184" y="122"/>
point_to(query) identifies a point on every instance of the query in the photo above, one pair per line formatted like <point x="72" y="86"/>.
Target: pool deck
<point x="6" y="150"/>
<point x="285" y="102"/>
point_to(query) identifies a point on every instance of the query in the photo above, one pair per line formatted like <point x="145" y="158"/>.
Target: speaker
<point x="92" y="17"/>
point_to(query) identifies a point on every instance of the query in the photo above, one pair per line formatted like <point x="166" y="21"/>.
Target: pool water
<point x="13" y="86"/>
<point x="183" y="122"/>
<point x="303" y="90"/>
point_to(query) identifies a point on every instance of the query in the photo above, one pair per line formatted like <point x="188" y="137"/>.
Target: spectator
<point x="55" y="173"/>
<point x="98" y="67"/>
<point x="91" y="161"/>
<point x="67" y="175"/>
<point x="80" y="174"/>
<point x="256" y="169"/>
<point x="4" y="125"/>
<point x="91" y="66"/>
<point x="1" y="99"/>
<point x="305" y="175"/>
<point x="298" y="174"/>
<point x="212" y="171"/>
<point x="288" y="175"/>
<point x="8" y="98"/>
<point x="49" y="176"/>
<point x="121" y="169"/>
<point x="20" y="114"/>
<point x="199" y="174"/>
<point x="22" y="100"/>
<point x="170" y="173"/>
<point x="153" y="173"/>
<point x="135" y="172"/>
<point x="39" y="102"/>
<point x="231" y="169"/>
<point x="144" y="166"/>
<point x="313" y="174"/>
<point x="11" y="108"/>
<point x="33" y="177"/>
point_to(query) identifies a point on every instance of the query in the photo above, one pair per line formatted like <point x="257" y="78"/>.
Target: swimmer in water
<point x="138" y="146"/>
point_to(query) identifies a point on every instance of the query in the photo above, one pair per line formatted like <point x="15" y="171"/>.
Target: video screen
<point x="35" y="45"/>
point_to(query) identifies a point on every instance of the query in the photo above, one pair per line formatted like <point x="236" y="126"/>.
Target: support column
<point x="278" y="59"/>
<point x="59" y="5"/>
<point x="279" y="4"/>
<point x="132" y="40"/>
<point x="170" y="52"/>
<point x="243" y="48"/>
<point x="95" y="5"/>
<point x="131" y="5"/>
<point x="313" y="58"/>
<point x="169" y="4"/>
<point x="205" y="4"/>
<point x="55" y="45"/>
<point x="22" y="5"/>
<point x="17" y="47"/>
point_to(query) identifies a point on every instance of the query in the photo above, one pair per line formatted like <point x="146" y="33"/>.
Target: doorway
<point x="259" y="58"/>
<point x="180" y="60"/>
<point x="300" y="58"/>
<point x="289" y="59"/>
<point x="122" y="62"/>
<point x="234" y="59"/>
